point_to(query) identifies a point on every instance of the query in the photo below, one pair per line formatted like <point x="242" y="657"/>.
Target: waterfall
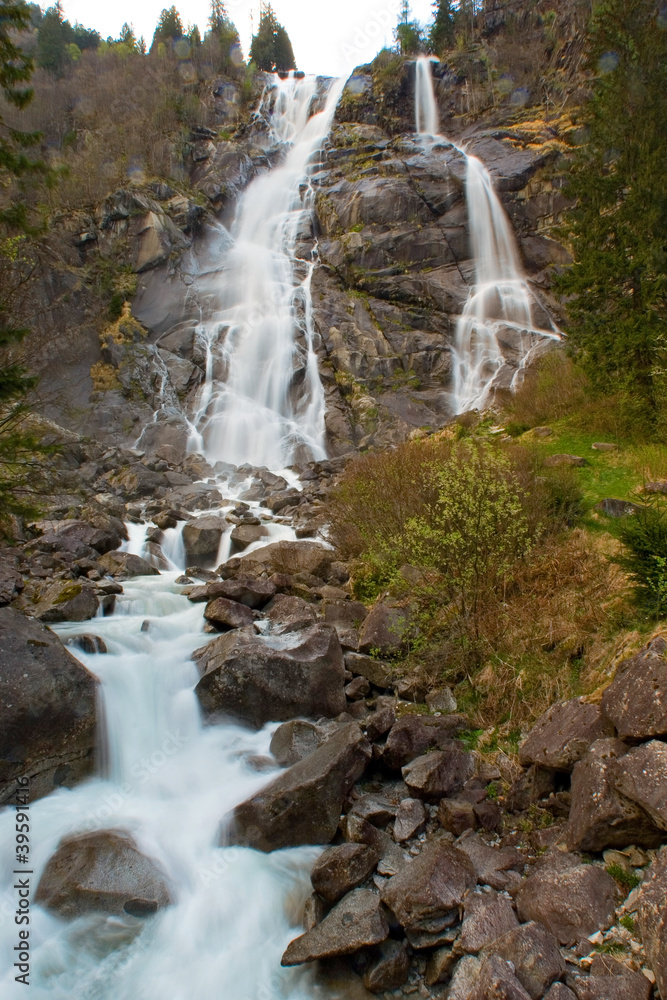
<point x="262" y="401"/>
<point x="498" y="315"/>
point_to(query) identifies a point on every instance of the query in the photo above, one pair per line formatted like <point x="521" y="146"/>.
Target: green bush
<point x="644" y="535"/>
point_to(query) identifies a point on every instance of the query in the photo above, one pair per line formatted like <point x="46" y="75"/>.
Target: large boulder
<point x="426" y="893"/>
<point x="636" y="700"/>
<point x="384" y="630"/>
<point x="102" y="872"/>
<point x="533" y="951"/>
<point x="225" y="614"/>
<point x="571" y="899"/>
<point x="67" y="600"/>
<point x="262" y="679"/>
<point x="563" y="734"/>
<point x="47" y="709"/>
<point x="303" y="805"/>
<point x="201" y="539"/>
<point x="652" y="918"/>
<point x="641" y="776"/>
<point x="342" y="868"/>
<point x="497" y="981"/>
<point x="600" y="815"/>
<point x="283" y="557"/>
<point x="440" y="772"/>
<point x="486" y="917"/>
<point x="356" y="922"/>
<point x="413" y="735"/>
<point x="126" y="564"/>
<point x="82" y="539"/>
<point x="294" y="740"/>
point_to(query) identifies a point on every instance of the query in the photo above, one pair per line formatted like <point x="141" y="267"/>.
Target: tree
<point x="169" y="28"/>
<point x="218" y="16"/>
<point x="618" y="229"/>
<point x="17" y="447"/>
<point x="441" y="34"/>
<point x="271" y="48"/>
<point x="408" y="33"/>
<point x="55" y="34"/>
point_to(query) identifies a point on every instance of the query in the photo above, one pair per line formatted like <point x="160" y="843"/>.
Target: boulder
<point x="535" y="955"/>
<point x="81" y="538"/>
<point x="457" y="815"/>
<point x="496" y="981"/>
<point x="11" y="579"/>
<point x="440" y="772"/>
<point x="378" y="673"/>
<point x="356" y="922"/>
<point x="283" y="557"/>
<point x="486" y="916"/>
<point x="225" y="614"/>
<point x="358" y="830"/>
<point x="201" y="539"/>
<point x="375" y="808"/>
<point x="600" y="816"/>
<point x="413" y="735"/>
<point x="288" y="614"/>
<point x="387" y="968"/>
<point x="303" y="805"/>
<point x="262" y="679"/>
<point x="246" y="590"/>
<point x="630" y="986"/>
<point x="534" y="784"/>
<point x="47" y="709"/>
<point x="464" y="977"/>
<point x="67" y="600"/>
<point x="244" y="535"/>
<point x="383" y="631"/>
<point x="410" y="819"/>
<point x="439" y="965"/>
<point x="571" y="899"/>
<point x="493" y="866"/>
<point x="102" y="872"/>
<point x="294" y="740"/>
<point x="125" y="564"/>
<point x="563" y="734"/>
<point x="652" y="918"/>
<point x="636" y="700"/>
<point x="342" y="868"/>
<point x="641" y="776"/>
<point x="87" y="643"/>
<point x="379" y="722"/>
<point x="426" y="893"/>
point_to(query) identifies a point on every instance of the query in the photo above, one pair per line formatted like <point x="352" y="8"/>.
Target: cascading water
<point x="262" y="401"/>
<point x="497" y="317"/>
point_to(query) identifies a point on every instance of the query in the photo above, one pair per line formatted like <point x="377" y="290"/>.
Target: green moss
<point x="68" y="593"/>
<point x="627" y="880"/>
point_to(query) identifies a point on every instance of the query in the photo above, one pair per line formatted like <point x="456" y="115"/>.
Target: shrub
<point x="645" y="559"/>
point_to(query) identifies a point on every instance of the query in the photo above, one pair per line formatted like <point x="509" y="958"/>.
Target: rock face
<point x="354" y="923"/>
<point x="260" y="680"/>
<point x="652" y="914"/>
<point x="47" y="709"/>
<point x="426" y="893"/>
<point x="563" y="735"/>
<point x="636" y="700"/>
<point x="102" y="872"/>
<point x="571" y="899"/>
<point x="303" y="805"/>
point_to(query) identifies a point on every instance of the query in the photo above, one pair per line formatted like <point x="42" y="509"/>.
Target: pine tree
<point x="169" y="28"/>
<point x="618" y="231"/>
<point x="218" y="16"/>
<point x="271" y="48"/>
<point x="55" y="34"/>
<point x="441" y="35"/>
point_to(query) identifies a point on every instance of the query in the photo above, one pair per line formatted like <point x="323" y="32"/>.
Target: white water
<point x="497" y="323"/>
<point x="262" y="401"/>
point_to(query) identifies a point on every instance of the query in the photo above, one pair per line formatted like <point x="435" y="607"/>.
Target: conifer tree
<point x="169" y="27"/>
<point x="271" y="48"/>
<point x="441" y="35"/>
<point x="617" y="285"/>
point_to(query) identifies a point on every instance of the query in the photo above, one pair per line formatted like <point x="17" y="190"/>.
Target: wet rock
<point x="440" y="772"/>
<point x="356" y="922"/>
<point x="534" y="953"/>
<point x="340" y="869"/>
<point x="641" y="776"/>
<point x="201" y="538"/>
<point x="388" y="967"/>
<point x="87" y="643"/>
<point x="225" y="614"/>
<point x="534" y="784"/>
<point x="47" y="709"/>
<point x="124" y="564"/>
<point x="496" y="981"/>
<point x="600" y="816"/>
<point x="563" y="734"/>
<point x="384" y="630"/>
<point x="486" y="916"/>
<point x="283" y="557"/>
<point x="426" y="893"/>
<point x="457" y="816"/>
<point x="493" y="866"/>
<point x="375" y="671"/>
<point x="410" y="819"/>
<point x="260" y="680"/>
<point x="358" y="830"/>
<point x="303" y="805"/>
<point x="571" y="899"/>
<point x="314" y="911"/>
<point x="636" y="700"/>
<point x="102" y="872"/>
<point x="248" y="590"/>
<point x="413" y="735"/>
<point x="290" y="613"/>
<point x="244" y="535"/>
<point x="652" y="918"/>
<point x="294" y="740"/>
<point x="67" y="600"/>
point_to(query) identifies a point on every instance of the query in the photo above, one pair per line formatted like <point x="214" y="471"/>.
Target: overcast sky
<point x="329" y="36"/>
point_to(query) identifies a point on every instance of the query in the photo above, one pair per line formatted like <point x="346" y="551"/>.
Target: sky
<point x="329" y="37"/>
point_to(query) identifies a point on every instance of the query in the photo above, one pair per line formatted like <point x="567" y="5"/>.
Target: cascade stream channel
<point x="163" y="776"/>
